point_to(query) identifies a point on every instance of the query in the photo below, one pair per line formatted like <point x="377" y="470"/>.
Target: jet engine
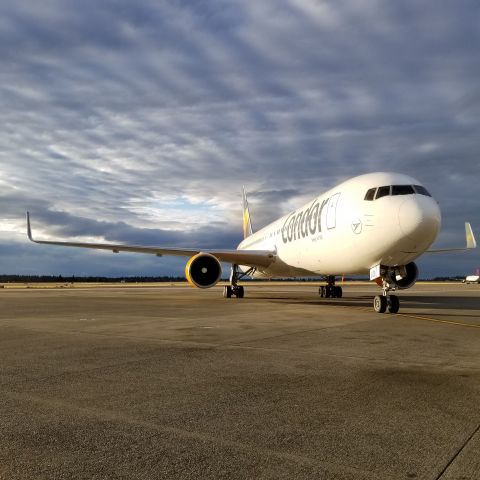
<point x="203" y="270"/>
<point x="404" y="276"/>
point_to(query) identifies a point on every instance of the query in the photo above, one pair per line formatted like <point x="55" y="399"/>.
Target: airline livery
<point x="376" y="224"/>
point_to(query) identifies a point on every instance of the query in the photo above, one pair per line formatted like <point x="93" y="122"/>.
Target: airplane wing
<point x="471" y="243"/>
<point x="254" y="258"/>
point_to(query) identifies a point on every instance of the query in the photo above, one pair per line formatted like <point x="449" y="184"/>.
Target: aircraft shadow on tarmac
<point x="445" y="302"/>
<point x="420" y="302"/>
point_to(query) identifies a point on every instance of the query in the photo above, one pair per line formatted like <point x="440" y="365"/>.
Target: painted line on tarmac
<point x="425" y="319"/>
<point x="437" y="320"/>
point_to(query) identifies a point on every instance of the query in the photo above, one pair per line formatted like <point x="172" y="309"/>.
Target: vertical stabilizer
<point x="247" y="223"/>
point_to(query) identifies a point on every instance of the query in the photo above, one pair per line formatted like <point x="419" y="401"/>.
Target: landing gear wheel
<point x="380" y="304"/>
<point x="227" y="291"/>
<point x="239" y="292"/>
<point x="330" y="290"/>
<point x="393" y="304"/>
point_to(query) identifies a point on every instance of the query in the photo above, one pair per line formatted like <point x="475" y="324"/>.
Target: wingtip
<point x="29" y="228"/>
<point x="471" y="242"/>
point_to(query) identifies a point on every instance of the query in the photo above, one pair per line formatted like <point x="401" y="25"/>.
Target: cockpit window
<point x="421" y="190"/>
<point x="370" y="195"/>
<point x="376" y="193"/>
<point x="382" y="192"/>
<point x="402" y="190"/>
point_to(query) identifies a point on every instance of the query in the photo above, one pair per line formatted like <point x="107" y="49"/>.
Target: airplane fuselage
<point x="342" y="232"/>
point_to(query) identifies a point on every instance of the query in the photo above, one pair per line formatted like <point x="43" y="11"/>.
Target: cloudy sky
<point x="138" y="122"/>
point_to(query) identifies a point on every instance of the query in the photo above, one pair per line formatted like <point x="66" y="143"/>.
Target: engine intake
<point x="404" y="276"/>
<point x="203" y="270"/>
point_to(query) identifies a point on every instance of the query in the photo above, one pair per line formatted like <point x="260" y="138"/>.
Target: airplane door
<point x="332" y="211"/>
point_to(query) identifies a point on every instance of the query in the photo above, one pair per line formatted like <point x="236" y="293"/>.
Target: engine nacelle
<point x="404" y="276"/>
<point x="203" y="270"/>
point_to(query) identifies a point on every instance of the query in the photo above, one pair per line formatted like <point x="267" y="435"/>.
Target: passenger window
<point x="382" y="192"/>
<point x="402" y="190"/>
<point x="421" y="190"/>
<point x="370" y="195"/>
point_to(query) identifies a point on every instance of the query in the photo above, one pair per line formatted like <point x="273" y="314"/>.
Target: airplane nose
<point x="419" y="220"/>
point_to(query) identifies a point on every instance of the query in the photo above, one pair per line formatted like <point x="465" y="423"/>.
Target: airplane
<point x="376" y="223"/>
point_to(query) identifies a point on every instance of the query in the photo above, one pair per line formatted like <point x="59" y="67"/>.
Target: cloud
<point x="112" y="111"/>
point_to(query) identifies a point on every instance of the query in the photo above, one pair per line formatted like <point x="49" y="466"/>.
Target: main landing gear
<point x="230" y="291"/>
<point x="235" y="290"/>
<point x="330" y="290"/>
<point x="384" y="302"/>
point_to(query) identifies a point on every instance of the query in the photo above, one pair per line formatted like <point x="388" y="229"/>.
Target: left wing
<point x="253" y="258"/>
<point x="470" y="244"/>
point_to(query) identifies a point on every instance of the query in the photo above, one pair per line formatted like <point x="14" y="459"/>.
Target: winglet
<point x="29" y="228"/>
<point x="247" y="222"/>
<point x="471" y="242"/>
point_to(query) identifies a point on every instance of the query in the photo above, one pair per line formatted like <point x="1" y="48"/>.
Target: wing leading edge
<point x="254" y="258"/>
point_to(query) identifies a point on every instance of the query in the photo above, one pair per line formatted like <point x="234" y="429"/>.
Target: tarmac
<point x="171" y="382"/>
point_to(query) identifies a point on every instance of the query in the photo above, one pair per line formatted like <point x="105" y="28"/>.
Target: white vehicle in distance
<point x="472" y="279"/>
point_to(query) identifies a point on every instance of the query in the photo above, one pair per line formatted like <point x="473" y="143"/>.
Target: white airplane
<point x="377" y="223"/>
<point x="472" y="279"/>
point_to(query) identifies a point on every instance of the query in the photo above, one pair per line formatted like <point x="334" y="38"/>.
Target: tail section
<point x="247" y="223"/>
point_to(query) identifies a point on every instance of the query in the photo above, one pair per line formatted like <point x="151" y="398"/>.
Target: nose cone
<point x="419" y="219"/>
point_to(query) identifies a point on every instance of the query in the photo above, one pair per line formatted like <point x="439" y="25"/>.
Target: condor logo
<point x="307" y="222"/>
<point x="357" y="226"/>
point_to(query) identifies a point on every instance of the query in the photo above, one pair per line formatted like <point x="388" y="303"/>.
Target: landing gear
<point x="235" y="290"/>
<point x="393" y="304"/>
<point x="380" y="304"/>
<point x="230" y="291"/>
<point x="330" y="290"/>
<point x="384" y="302"/>
<point x="238" y="291"/>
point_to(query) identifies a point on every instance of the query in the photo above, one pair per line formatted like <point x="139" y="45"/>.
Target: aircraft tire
<point x="239" y="292"/>
<point x="393" y="304"/>
<point x="380" y="304"/>
<point x="227" y="291"/>
<point x="338" y="292"/>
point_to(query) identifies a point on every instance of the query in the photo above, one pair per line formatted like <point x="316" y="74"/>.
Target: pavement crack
<point x="457" y="453"/>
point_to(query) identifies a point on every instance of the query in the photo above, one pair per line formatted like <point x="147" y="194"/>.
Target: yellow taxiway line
<point x="437" y="320"/>
<point x="419" y="317"/>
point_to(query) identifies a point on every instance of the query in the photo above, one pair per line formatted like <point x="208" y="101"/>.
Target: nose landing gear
<point x="384" y="302"/>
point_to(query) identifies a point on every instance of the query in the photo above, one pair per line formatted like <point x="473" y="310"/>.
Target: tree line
<point x="90" y="279"/>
